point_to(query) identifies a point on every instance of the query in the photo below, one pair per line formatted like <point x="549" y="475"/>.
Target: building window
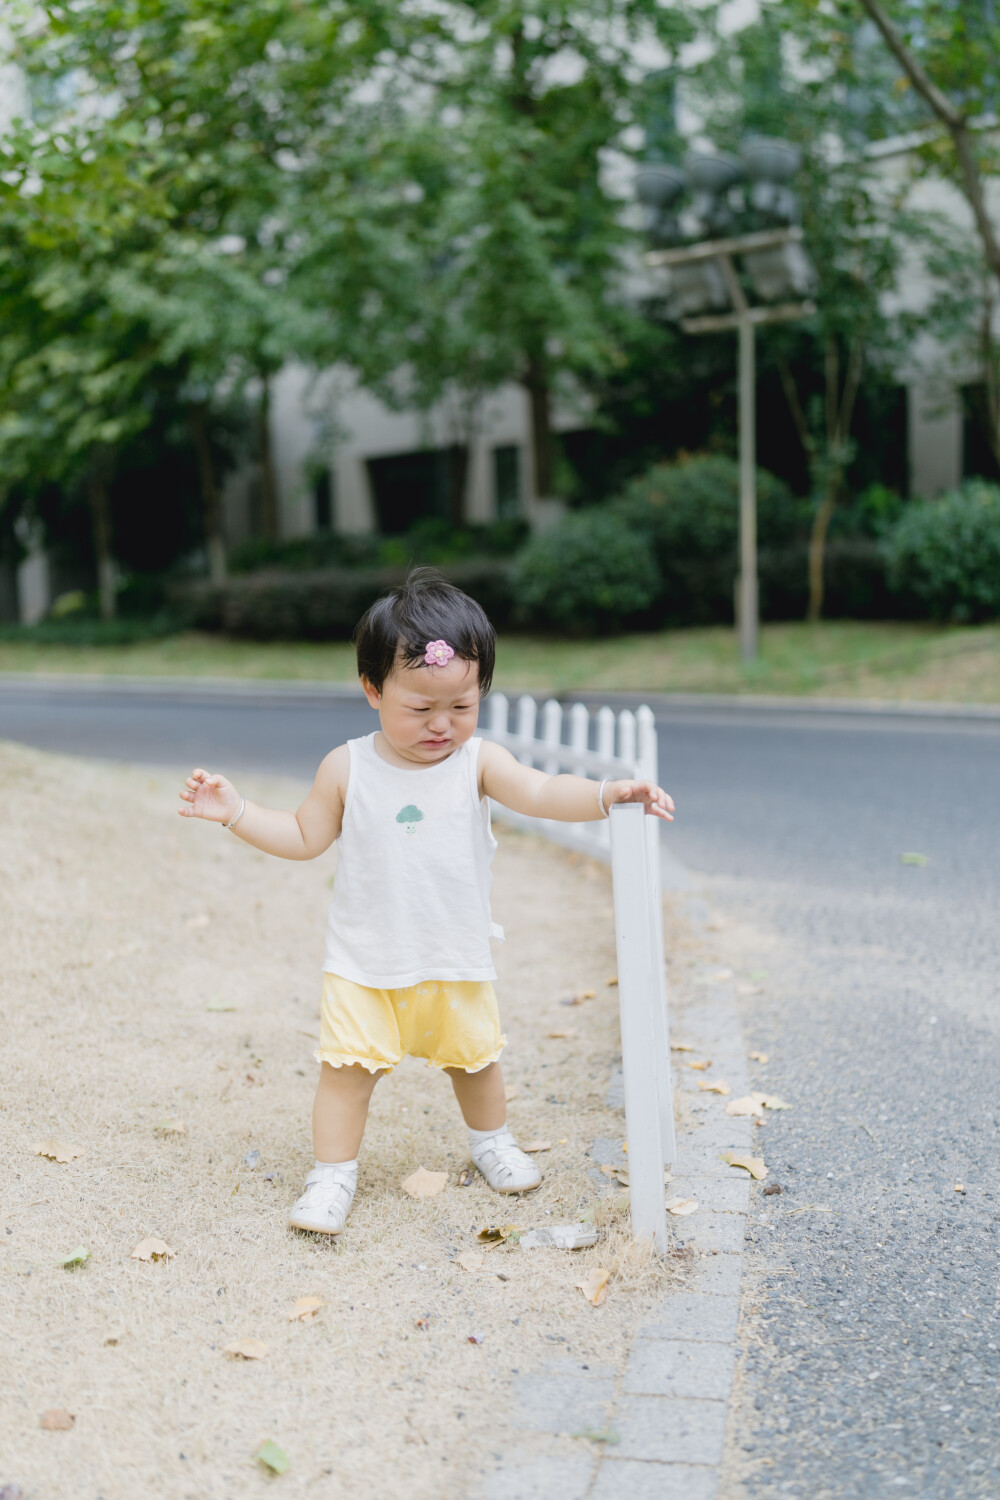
<point x="978" y="459"/>
<point x="507" y="489"/>
<point x="410" y="487"/>
<point x="323" y="500"/>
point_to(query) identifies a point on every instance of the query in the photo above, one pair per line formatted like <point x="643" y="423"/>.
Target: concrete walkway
<point x="656" y="1432"/>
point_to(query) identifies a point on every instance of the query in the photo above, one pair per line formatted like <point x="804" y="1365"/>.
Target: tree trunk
<point x="536" y="383"/>
<point x="210" y="500"/>
<point x="268" y="489"/>
<point x="100" y="516"/>
<point x="817" y="550"/>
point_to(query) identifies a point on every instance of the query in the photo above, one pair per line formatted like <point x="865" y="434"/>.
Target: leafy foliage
<point x="947" y="552"/>
<point x="588" y="573"/>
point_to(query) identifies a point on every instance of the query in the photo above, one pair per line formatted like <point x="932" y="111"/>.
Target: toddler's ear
<point x="371" y="693"/>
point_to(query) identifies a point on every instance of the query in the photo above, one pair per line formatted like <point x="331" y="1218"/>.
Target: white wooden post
<point x="498" y="707"/>
<point x="527" y="712"/>
<point x="642" y="1003"/>
<point x="606" y="747"/>
<point x="649" y="768"/>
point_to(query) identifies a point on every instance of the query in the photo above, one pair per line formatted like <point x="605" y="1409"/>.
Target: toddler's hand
<point x="655" y="799"/>
<point x="211" y="797"/>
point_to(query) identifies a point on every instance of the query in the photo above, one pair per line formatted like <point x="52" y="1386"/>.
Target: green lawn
<point x="848" y="659"/>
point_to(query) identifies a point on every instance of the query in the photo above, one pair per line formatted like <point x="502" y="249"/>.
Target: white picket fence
<point x="597" y="745"/>
<point x="624" y="745"/>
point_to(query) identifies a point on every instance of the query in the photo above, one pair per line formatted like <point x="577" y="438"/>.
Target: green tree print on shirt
<point x="411" y="816"/>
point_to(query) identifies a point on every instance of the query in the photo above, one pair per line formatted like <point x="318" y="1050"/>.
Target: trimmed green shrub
<point x="325" y="605"/>
<point x="946" y="552"/>
<point x="688" y="513"/>
<point x="589" y="572"/>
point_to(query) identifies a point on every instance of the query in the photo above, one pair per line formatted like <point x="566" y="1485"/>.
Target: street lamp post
<point x="706" y="282"/>
<point x="745" y="319"/>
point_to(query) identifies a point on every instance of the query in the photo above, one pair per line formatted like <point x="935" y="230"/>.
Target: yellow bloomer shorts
<point x="451" y="1023"/>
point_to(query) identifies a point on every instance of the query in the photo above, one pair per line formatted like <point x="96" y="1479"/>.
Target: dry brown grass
<point x="107" y="970"/>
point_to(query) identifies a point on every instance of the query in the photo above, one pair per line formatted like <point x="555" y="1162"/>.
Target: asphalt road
<point x="872" y="1318"/>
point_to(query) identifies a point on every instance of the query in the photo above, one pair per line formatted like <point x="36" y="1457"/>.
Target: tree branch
<point x="795" y="407"/>
<point x="956" y="124"/>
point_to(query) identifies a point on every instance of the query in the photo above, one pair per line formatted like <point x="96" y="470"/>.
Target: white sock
<point x="477" y="1137"/>
<point x="347" y="1166"/>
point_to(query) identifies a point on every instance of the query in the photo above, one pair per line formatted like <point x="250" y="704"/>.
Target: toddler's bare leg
<point x="340" y="1110"/>
<point x="480" y="1096"/>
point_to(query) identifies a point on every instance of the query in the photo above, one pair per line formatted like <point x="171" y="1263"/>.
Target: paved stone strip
<point x="668" y="1409"/>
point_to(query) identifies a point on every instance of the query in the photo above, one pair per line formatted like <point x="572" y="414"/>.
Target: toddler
<point x="408" y="969"/>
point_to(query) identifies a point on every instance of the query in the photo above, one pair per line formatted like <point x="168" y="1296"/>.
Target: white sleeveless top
<point x="411" y="898"/>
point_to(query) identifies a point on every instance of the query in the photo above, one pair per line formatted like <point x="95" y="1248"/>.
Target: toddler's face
<point x="428" y="712"/>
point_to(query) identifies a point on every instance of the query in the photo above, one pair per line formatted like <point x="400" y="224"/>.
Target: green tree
<point x="515" y="234"/>
<point x="854" y="225"/>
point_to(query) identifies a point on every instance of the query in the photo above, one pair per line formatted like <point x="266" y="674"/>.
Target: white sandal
<point x="326" y="1202"/>
<point x="504" y="1165"/>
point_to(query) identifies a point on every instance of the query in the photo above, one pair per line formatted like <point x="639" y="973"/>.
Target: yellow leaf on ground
<point x="750" y="1104"/>
<point x="706" y="1062"/>
<point x="707" y="1086"/>
<point x="170" y="1127"/>
<point x="305" y="1309"/>
<point x="469" y="1260"/>
<point x="56" y="1419"/>
<point x="496" y="1234"/>
<point x="752" y="1164"/>
<point x="680" y="1047"/>
<point x="152" y="1250"/>
<point x="760" y="1056"/>
<point x="537" y="1146"/>
<point x="588" y="994"/>
<point x="56" y="1151"/>
<point x="594" y="1285"/>
<point x="680" y="1206"/>
<point x="612" y="981"/>
<point x="247" y="1349"/>
<point x="511" y="1092"/>
<point x="424" y="1184"/>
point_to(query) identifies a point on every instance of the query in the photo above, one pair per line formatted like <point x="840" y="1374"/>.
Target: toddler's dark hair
<point x="425" y="608"/>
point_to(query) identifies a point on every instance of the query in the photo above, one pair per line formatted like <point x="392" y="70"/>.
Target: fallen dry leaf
<point x="511" y="1092"/>
<point x="706" y="1062"/>
<point x="424" y="1184"/>
<point x="771" y="1101"/>
<point x="152" y="1250"/>
<point x="537" y="1146"/>
<point x="247" y="1349"/>
<point x="760" y="1056"/>
<point x="681" y="1206"/>
<point x="959" y="1187"/>
<point x="469" y="1260"/>
<point x="594" y="1285"/>
<point x="771" y="1189"/>
<point x="752" y="1164"/>
<point x="305" y="1309"/>
<point x="467" y="1177"/>
<point x="496" y="1234"/>
<point x="56" y="1151"/>
<point x="170" y="1127"/>
<point x="707" y="1086"/>
<point x="612" y="981"/>
<point x="558" y="1035"/>
<point x="476" y="1338"/>
<point x="750" y="1104"/>
<point x="680" y="1047"/>
<point x="56" y="1419"/>
<point x="312" y="1035"/>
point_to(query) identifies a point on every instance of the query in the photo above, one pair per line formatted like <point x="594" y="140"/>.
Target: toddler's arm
<point x="300" y="835"/>
<point x="569" y="799"/>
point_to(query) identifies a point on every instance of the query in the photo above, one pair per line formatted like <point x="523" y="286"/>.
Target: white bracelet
<point x="600" y="798"/>
<point x="243" y="808"/>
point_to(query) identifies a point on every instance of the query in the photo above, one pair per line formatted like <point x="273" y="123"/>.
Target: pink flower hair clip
<point x="438" y="654"/>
